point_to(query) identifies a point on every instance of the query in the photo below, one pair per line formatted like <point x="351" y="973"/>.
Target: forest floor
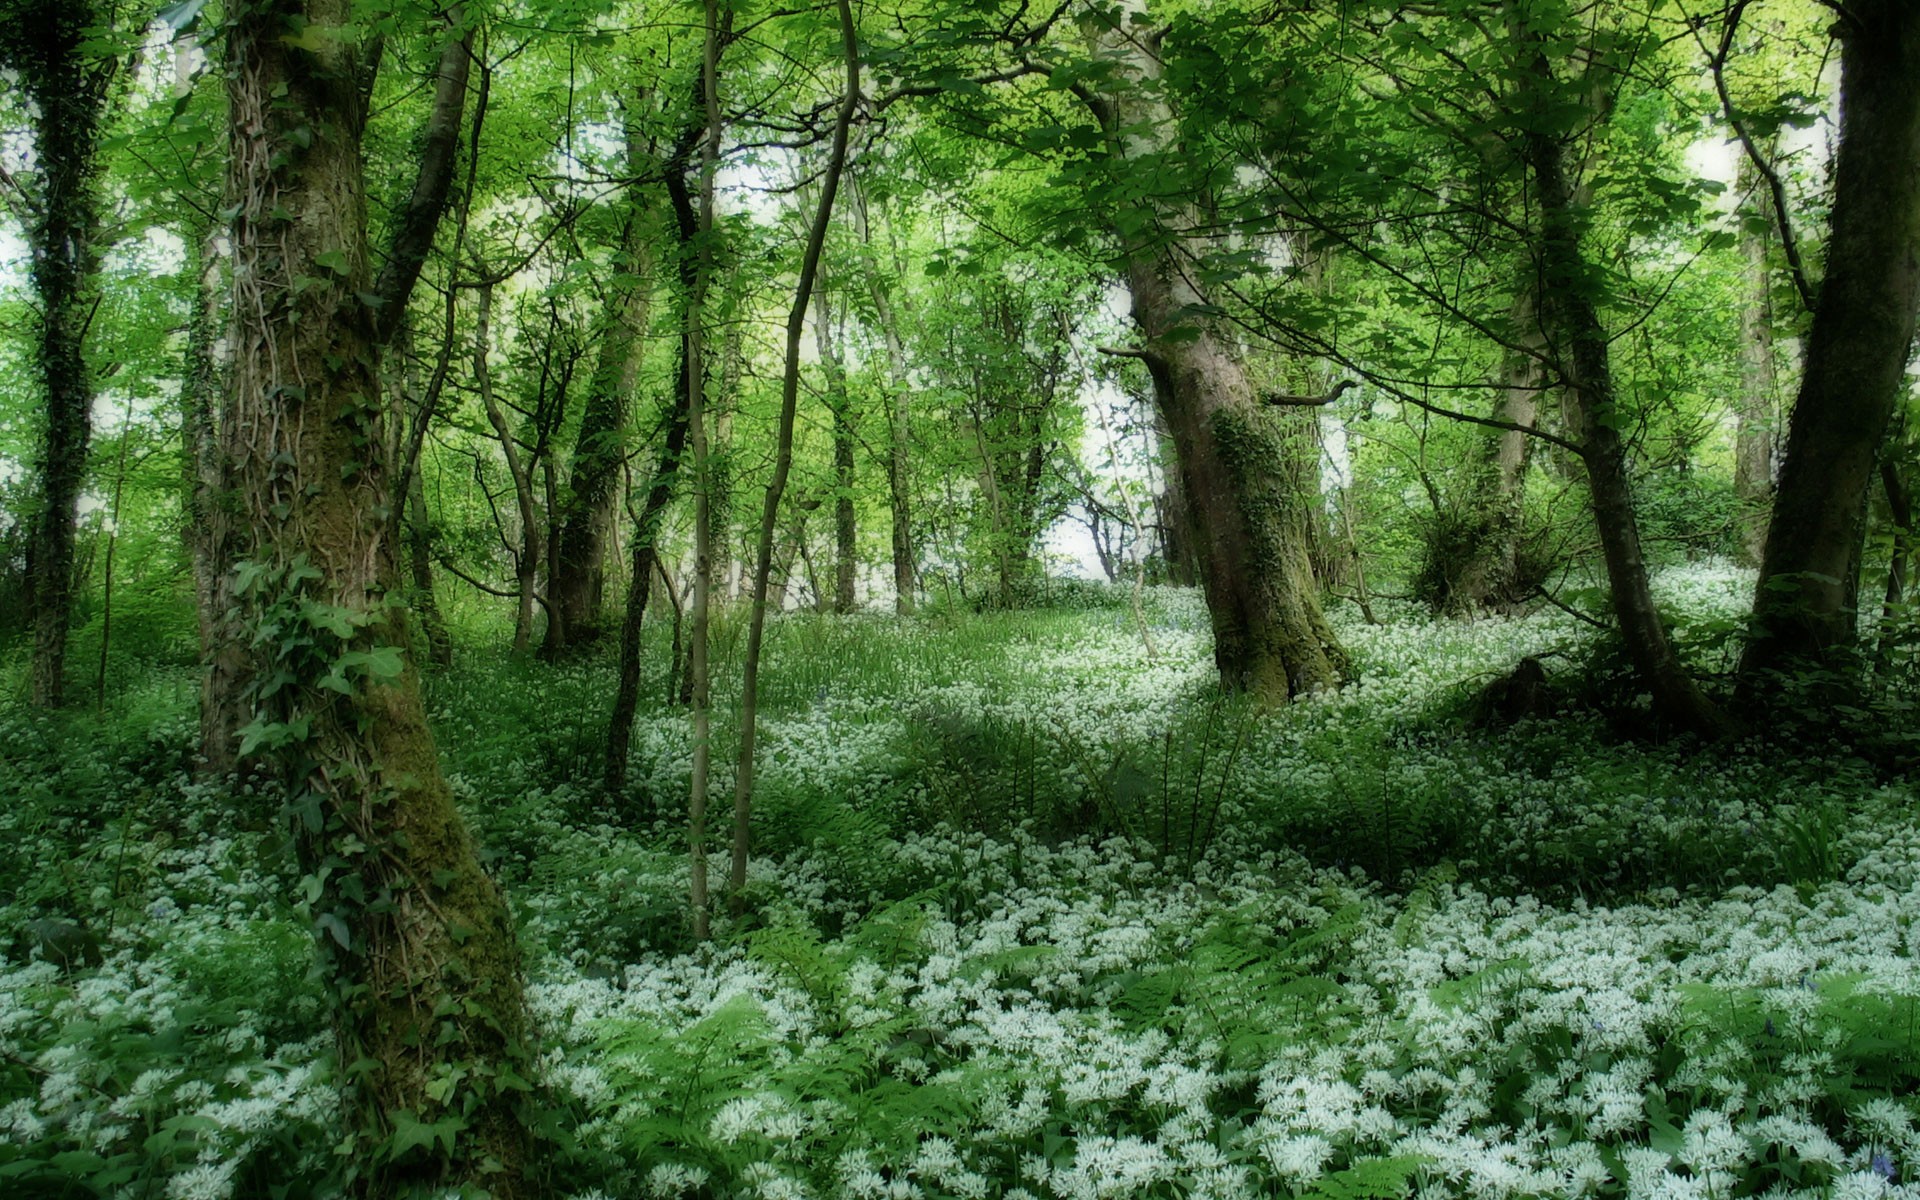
<point x="1031" y="916"/>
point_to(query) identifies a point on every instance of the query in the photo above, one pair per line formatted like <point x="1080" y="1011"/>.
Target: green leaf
<point x="410" y="1133"/>
<point x="333" y="260"/>
<point x="336" y="929"/>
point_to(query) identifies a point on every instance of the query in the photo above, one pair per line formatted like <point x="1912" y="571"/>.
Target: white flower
<point x="206" y="1181"/>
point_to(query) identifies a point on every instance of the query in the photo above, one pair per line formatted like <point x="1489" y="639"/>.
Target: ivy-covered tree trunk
<point x="209" y="529"/>
<point x="1857" y="351"/>
<point x="44" y="41"/>
<point x="576" y="577"/>
<point x="1247" y="524"/>
<point x="416" y="942"/>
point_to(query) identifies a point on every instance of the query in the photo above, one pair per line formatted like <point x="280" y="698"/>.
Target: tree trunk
<point x="783" y="458"/>
<point x="1270" y="637"/>
<point x="420" y="563"/>
<point x="1572" y="324"/>
<point x="526" y="556"/>
<point x="1175" y="515"/>
<point x="417" y="945"/>
<point x="646" y="534"/>
<point x="720" y="491"/>
<point x="846" y="550"/>
<point x="899" y="413"/>
<point x="576" y="576"/>
<point x="1857" y="349"/>
<point x="1487" y="575"/>
<point x="1753" y="411"/>
<point x="68" y="93"/>
<point x="646" y="550"/>
<point x="209" y="529"/>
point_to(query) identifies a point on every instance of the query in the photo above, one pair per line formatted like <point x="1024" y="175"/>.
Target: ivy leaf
<point x="333" y="260"/>
<point x="410" y="1132"/>
<point x="336" y="928"/>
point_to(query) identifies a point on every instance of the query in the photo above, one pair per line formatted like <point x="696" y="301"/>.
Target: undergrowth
<point x="1033" y="912"/>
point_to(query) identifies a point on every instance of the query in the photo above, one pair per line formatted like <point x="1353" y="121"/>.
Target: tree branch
<point x="413" y="234"/>
<point x="1789" y="243"/>
<point x="1282" y="399"/>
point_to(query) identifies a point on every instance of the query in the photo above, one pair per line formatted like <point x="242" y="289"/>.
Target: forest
<point x="898" y="599"/>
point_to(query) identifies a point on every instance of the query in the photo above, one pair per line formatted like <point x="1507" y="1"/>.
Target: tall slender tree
<point x="65" y="85"/>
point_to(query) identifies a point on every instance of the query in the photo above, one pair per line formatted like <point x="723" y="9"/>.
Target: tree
<point x="577" y="572"/>
<point x="66" y="84"/>
<point x="416" y="942"/>
<point x="1806" y="603"/>
<point x="1247" y="525"/>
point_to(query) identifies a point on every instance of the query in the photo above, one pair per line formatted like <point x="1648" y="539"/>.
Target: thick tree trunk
<point x="899" y="414"/>
<point x="416" y="941"/>
<point x="68" y="92"/>
<point x="1857" y="351"/>
<point x="576" y="576"/>
<point x="1753" y="411"/>
<point x="209" y="528"/>
<point x="1270" y="637"/>
<point x="1174" y="514"/>
<point x="1572" y="324"/>
<point x="1487" y="575"/>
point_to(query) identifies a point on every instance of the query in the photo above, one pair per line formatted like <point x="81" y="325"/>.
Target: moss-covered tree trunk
<point x="1247" y="523"/>
<point x="576" y="576"/>
<point x="416" y="942"/>
<point x="1857" y="351"/>
<point x="1478" y="566"/>
<point x="66" y="86"/>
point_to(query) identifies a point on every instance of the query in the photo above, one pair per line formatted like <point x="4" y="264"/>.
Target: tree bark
<point x="660" y="489"/>
<point x="1270" y="637"/>
<point x="783" y="457"/>
<point x="899" y="413"/>
<point x="68" y="90"/>
<point x="526" y="556"/>
<point x="433" y="183"/>
<point x="1753" y="412"/>
<point x="846" y="549"/>
<point x="1487" y="574"/>
<point x="416" y="942"/>
<point x="1579" y="347"/>
<point x="576" y="576"/>
<point x="1863" y="325"/>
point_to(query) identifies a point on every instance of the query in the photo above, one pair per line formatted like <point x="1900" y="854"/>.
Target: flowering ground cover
<point x="1033" y="916"/>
